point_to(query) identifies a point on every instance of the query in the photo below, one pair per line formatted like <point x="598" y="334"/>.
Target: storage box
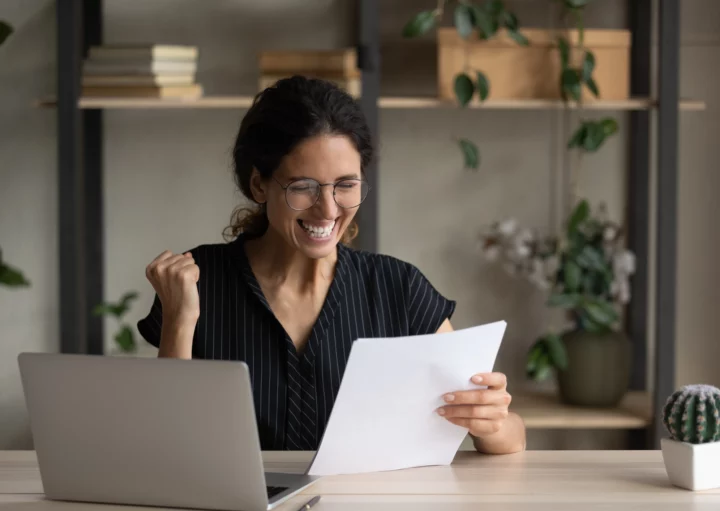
<point x="533" y="72"/>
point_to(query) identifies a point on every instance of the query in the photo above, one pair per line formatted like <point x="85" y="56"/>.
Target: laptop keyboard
<point x="274" y="490"/>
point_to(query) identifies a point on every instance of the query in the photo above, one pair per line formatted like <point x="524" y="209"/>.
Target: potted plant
<point x="125" y="336"/>
<point x="692" y="453"/>
<point x="586" y="273"/>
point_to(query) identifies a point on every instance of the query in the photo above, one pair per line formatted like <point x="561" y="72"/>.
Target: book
<point x="143" y="51"/>
<point x="341" y="62"/>
<point x="139" y="67"/>
<point x="185" y="92"/>
<point x="150" y="80"/>
<point x="352" y="86"/>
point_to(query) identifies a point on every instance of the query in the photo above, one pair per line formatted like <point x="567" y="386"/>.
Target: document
<point x="385" y="418"/>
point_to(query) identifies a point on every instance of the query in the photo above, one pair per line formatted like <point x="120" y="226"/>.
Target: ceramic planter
<point x="692" y="466"/>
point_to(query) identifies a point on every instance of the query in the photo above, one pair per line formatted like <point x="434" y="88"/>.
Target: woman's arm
<point x="176" y="339"/>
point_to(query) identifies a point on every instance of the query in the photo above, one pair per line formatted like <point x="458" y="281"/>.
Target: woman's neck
<point x="278" y="264"/>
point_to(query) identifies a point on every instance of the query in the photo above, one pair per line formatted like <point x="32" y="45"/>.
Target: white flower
<point x="624" y="263"/>
<point x="521" y="251"/>
<point x="610" y="233"/>
<point x="507" y="227"/>
<point x="620" y="289"/>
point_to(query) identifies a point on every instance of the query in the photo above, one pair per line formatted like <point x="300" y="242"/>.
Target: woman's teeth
<point x="317" y="232"/>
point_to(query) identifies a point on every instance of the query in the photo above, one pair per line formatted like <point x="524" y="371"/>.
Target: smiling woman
<point x="287" y="294"/>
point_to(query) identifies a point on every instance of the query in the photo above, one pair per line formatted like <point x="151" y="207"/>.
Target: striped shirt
<point x="371" y="295"/>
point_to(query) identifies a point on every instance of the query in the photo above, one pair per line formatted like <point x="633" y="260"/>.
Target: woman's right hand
<point x="174" y="278"/>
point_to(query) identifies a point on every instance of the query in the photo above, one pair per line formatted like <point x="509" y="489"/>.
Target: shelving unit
<point x="81" y="220"/>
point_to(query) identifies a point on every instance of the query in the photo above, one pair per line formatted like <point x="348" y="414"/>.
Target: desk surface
<point x="533" y="480"/>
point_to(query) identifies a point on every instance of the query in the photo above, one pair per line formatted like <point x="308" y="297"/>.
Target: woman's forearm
<point x="176" y="339"/>
<point x="511" y="437"/>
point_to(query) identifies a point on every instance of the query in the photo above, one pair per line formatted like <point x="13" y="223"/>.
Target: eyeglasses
<point x="304" y="193"/>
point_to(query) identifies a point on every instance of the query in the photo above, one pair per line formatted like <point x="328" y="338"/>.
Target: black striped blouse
<point x="371" y="295"/>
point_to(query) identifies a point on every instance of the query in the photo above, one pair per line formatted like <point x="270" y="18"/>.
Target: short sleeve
<point x="150" y="327"/>
<point x="427" y="307"/>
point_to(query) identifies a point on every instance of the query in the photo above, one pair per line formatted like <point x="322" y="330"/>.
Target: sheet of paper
<point x="384" y="417"/>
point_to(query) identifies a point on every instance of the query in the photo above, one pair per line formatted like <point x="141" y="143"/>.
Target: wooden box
<point x="533" y="72"/>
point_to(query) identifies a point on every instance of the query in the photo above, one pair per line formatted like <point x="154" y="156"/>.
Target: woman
<point x="288" y="295"/>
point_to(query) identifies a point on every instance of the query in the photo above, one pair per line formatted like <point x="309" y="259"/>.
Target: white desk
<point x="529" y="481"/>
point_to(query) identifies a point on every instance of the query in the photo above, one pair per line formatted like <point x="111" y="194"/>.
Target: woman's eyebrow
<point x="347" y="176"/>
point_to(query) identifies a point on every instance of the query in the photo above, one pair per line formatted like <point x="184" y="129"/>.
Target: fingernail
<point x="449" y="398"/>
<point x="441" y="411"/>
<point x="477" y="379"/>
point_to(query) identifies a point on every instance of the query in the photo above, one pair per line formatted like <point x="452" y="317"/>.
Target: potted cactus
<point x="691" y="455"/>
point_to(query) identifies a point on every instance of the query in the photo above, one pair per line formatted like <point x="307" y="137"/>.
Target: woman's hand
<point x="174" y="278"/>
<point x="484" y="413"/>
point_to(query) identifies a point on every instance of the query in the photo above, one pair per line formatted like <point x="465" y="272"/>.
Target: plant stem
<point x="581" y="27"/>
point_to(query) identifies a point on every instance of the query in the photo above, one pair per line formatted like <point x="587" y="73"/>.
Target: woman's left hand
<point x="482" y="411"/>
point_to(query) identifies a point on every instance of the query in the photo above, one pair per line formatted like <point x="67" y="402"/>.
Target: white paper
<point x="385" y="418"/>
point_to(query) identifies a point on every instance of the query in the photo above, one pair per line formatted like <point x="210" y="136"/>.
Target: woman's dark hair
<point x="281" y="117"/>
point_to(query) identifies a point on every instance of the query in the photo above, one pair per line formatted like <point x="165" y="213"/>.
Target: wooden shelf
<point x="399" y="103"/>
<point x="544" y="411"/>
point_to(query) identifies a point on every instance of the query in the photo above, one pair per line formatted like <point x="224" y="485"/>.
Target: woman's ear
<point x="258" y="187"/>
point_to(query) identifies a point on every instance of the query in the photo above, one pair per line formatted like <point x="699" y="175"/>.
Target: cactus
<point x="692" y="414"/>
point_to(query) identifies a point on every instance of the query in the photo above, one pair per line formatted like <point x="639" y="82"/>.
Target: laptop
<point x="149" y="431"/>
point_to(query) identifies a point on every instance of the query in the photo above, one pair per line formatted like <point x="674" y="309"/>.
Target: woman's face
<point x="329" y="160"/>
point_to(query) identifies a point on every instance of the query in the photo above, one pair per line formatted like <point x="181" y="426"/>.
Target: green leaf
<point x="464" y="20"/>
<point x="12" y="277"/>
<point x="564" y="47"/>
<point x="571" y="83"/>
<point x="578" y="216"/>
<point x="600" y="312"/>
<point x="609" y="126"/>
<point x="464" y="89"/>
<point x="495" y="7"/>
<point x="543" y="370"/>
<point x="471" y="155"/>
<point x="572" y="274"/>
<point x="578" y="138"/>
<point x="103" y="308"/>
<point x="593" y="87"/>
<point x="420" y="24"/>
<point x="519" y="38"/>
<point x="484" y="22"/>
<point x="483" y="86"/>
<point x="5" y="31"/>
<point x="563" y="301"/>
<point x="588" y="66"/>
<point x="533" y="355"/>
<point x="125" y="339"/>
<point x="594" y="138"/>
<point x="510" y="21"/>
<point x="557" y="352"/>
<point x="591" y="258"/>
<point x="127" y="298"/>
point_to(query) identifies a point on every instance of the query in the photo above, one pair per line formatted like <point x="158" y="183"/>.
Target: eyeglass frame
<point x="320" y="185"/>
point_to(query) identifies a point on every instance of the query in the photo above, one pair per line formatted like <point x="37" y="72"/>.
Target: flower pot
<point x="598" y="372"/>
<point x="533" y="71"/>
<point x="692" y="466"/>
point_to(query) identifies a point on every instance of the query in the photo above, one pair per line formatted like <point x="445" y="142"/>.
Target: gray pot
<point x="598" y="372"/>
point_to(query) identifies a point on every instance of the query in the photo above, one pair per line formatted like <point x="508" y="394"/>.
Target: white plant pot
<point x="692" y="466"/>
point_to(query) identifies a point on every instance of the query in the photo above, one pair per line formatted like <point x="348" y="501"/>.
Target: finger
<point x="473" y="412"/>
<point x="491" y="380"/>
<point x="165" y="254"/>
<point x="167" y="263"/>
<point x="478" y="397"/>
<point x="190" y="272"/>
<point x="478" y="427"/>
<point x="181" y="263"/>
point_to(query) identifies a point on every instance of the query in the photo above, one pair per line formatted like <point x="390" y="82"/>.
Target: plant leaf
<point x="591" y="258"/>
<point x="600" y="312"/>
<point x="564" y="48"/>
<point x="588" y="66"/>
<point x="510" y="21"/>
<point x="103" y="308"/>
<point x="128" y="297"/>
<point x="483" y="86"/>
<point x="578" y="138"/>
<point x="593" y="87"/>
<point x="464" y="89"/>
<point x="12" y="277"/>
<point x="484" y="22"/>
<point x="125" y="339"/>
<point x="422" y="22"/>
<point x="471" y="155"/>
<point x="464" y="20"/>
<point x="578" y="216"/>
<point x="609" y="126"/>
<point x="556" y="350"/>
<point x="533" y="355"/>
<point x="543" y="368"/>
<point x="519" y="38"/>
<point x="571" y="83"/>
<point x="5" y="31"/>
<point x="495" y="7"/>
<point x="572" y="274"/>
<point x="563" y="301"/>
<point x="594" y="138"/>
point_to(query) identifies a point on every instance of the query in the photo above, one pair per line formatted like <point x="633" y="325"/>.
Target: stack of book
<point x="141" y="71"/>
<point x="337" y="66"/>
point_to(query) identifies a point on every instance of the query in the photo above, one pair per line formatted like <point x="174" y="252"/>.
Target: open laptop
<point x="149" y="431"/>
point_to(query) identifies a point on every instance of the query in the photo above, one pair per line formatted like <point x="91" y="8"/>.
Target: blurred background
<point x="487" y="164"/>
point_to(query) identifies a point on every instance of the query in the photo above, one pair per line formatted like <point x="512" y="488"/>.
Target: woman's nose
<point x="326" y="202"/>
